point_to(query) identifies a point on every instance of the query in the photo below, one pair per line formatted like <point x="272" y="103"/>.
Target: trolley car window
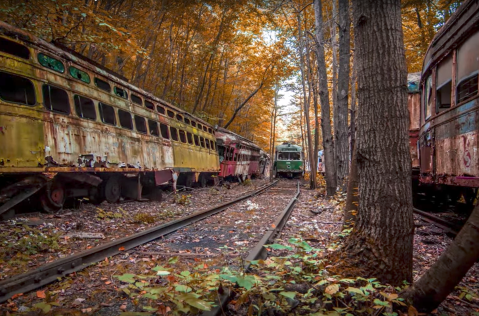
<point x="294" y="156"/>
<point x="467" y="88"/>
<point x="79" y="74"/>
<point x="197" y="140"/>
<point x="50" y="62"/>
<point x="13" y="48"/>
<point x="136" y="99"/>
<point x="55" y="99"/>
<point x="174" y="133"/>
<point x="202" y="142"/>
<point x="200" y="127"/>
<point x="210" y="131"/>
<point x="444" y="85"/>
<point x="213" y="144"/>
<point x="16" y="89"/>
<point x="207" y="143"/>
<point x="190" y="138"/>
<point x="187" y="121"/>
<point x="468" y="57"/>
<point x="182" y="136"/>
<point x="153" y="126"/>
<point x="120" y="92"/>
<point x="428" y="97"/>
<point x="107" y="114"/>
<point x="171" y="114"/>
<point x="140" y="124"/>
<point x="160" y="109"/>
<point x="204" y="128"/>
<point x="193" y="123"/>
<point x="149" y="105"/>
<point x="164" y="131"/>
<point x="179" y="117"/>
<point x="103" y="85"/>
<point x="84" y="107"/>
<point x="125" y="119"/>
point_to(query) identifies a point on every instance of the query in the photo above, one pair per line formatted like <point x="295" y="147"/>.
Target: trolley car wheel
<point x="53" y="198"/>
<point x="112" y="189"/>
<point x="203" y="181"/>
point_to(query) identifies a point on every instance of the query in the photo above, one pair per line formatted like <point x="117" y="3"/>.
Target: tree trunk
<point x="381" y="243"/>
<point x="443" y="276"/>
<point x="341" y="144"/>
<point x="352" y="198"/>
<point x="353" y="109"/>
<point x="328" y="144"/>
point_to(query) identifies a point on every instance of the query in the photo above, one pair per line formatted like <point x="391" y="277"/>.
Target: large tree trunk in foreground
<point x="381" y="243"/>
<point x="341" y="144"/>
<point x="328" y="144"/>
<point x="441" y="279"/>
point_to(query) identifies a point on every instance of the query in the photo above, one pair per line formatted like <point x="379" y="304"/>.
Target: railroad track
<point x="439" y="222"/>
<point x="52" y="271"/>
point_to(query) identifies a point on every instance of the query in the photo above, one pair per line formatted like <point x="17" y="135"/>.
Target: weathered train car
<point x="239" y="157"/>
<point x="70" y="127"/>
<point x="288" y="160"/>
<point x="448" y="137"/>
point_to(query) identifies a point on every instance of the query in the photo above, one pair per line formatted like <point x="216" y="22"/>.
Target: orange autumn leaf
<point x="41" y="294"/>
<point x="273" y="225"/>
<point x="121" y="248"/>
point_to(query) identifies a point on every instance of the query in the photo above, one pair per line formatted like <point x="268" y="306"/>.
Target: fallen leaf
<point x="121" y="248"/>
<point x="41" y="294"/>
<point x="108" y="282"/>
<point x="123" y="307"/>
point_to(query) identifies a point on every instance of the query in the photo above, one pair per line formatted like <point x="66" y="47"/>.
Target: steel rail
<point x="258" y="252"/>
<point x="441" y="223"/>
<point x="50" y="272"/>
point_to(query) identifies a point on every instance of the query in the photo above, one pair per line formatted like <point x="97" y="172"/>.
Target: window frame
<point x="145" y="102"/>
<point x="80" y="71"/>
<point x="166" y="129"/>
<point x="183" y="139"/>
<point x="135" y="117"/>
<point x="163" y="111"/>
<point x="170" y="113"/>
<point x="119" y="119"/>
<point x="471" y="76"/>
<point x="96" y="80"/>
<point x="132" y="95"/>
<point x="115" y="92"/>
<point x="150" y="129"/>
<point x="49" y="94"/>
<point x="47" y="66"/>
<point x="102" y="117"/>
<point x="172" y="135"/>
<point x="17" y="44"/>
<point x="75" y="96"/>
<point x="33" y="90"/>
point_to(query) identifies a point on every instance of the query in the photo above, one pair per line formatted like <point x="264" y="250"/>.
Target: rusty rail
<point x="258" y="252"/>
<point x="439" y="222"/>
<point x="52" y="271"/>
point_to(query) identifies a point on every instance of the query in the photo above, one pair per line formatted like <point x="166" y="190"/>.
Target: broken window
<point x="190" y="138"/>
<point x="120" y="92"/>
<point x="84" y="107"/>
<point x="171" y="114"/>
<point x="149" y="105"/>
<point x="153" y="127"/>
<point x="213" y="145"/>
<point x="182" y="136"/>
<point x="187" y="121"/>
<point x="103" y="85"/>
<point x="467" y="88"/>
<point x="140" y="124"/>
<point x="16" y="89"/>
<point x="164" y="131"/>
<point x="107" y="113"/>
<point x="179" y="117"/>
<point x="468" y="57"/>
<point x="50" y="62"/>
<point x="294" y="156"/>
<point x="79" y="74"/>
<point x="160" y="109"/>
<point x="136" y="99"/>
<point x="202" y="142"/>
<point x="125" y="119"/>
<point x="197" y="140"/>
<point x="210" y="131"/>
<point x="55" y="99"/>
<point x="193" y="123"/>
<point x="174" y="133"/>
<point x="13" y="48"/>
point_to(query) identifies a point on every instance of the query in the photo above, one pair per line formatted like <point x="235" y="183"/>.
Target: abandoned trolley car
<point x="69" y="127"/>
<point x="449" y="126"/>
<point x="288" y="161"/>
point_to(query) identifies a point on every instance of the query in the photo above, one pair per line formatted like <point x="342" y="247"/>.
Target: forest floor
<point x="120" y="286"/>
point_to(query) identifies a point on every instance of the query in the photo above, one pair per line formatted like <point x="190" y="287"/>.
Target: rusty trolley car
<point x="71" y="128"/>
<point x="449" y="126"/>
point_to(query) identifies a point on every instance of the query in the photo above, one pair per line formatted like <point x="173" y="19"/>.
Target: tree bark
<point x="328" y="145"/>
<point x="381" y="243"/>
<point x="443" y="276"/>
<point x="341" y="144"/>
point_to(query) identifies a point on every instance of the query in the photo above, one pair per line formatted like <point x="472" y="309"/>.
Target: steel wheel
<point x="53" y="198"/>
<point x="112" y="189"/>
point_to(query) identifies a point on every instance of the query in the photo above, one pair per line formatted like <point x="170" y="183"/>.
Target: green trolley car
<point x="288" y="161"/>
